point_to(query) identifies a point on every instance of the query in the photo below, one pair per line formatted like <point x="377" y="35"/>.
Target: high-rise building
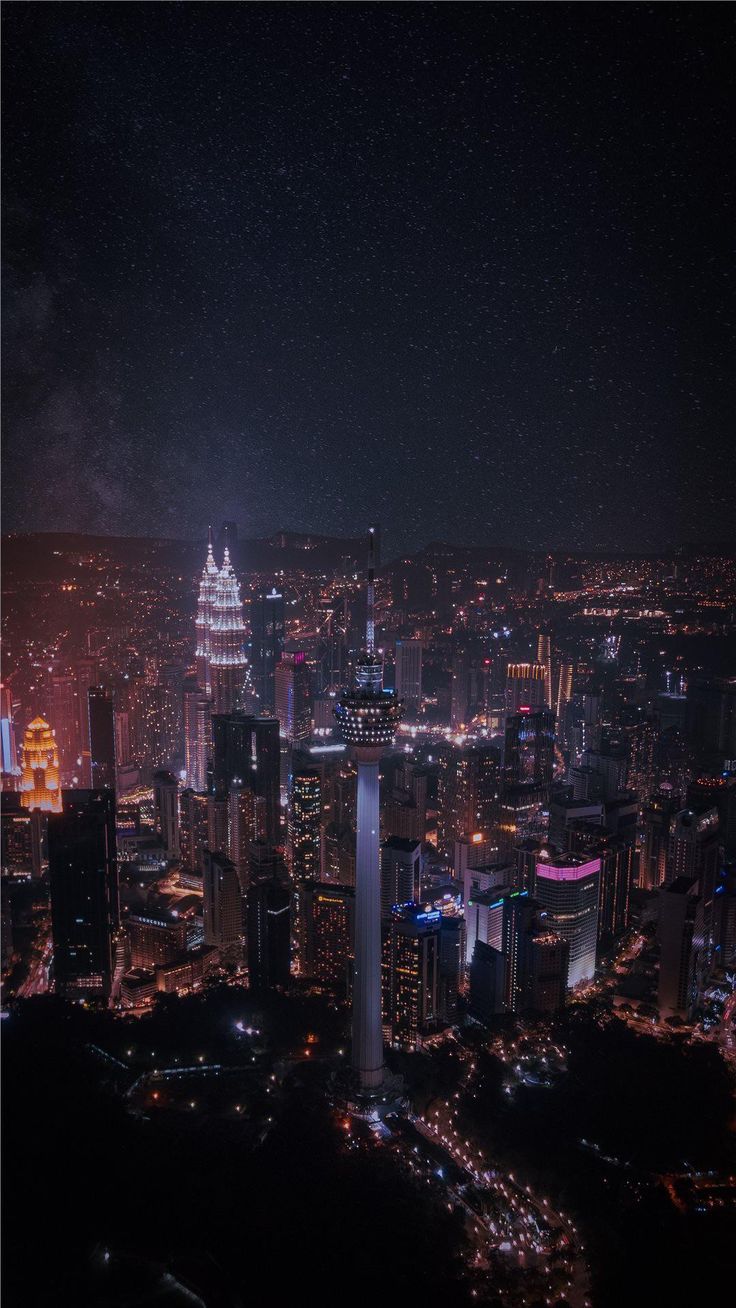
<point x="468" y="790"/>
<point x="657" y="819"/>
<point x="718" y="793"/>
<point x="567" y="889"/>
<point x="166" y="809"/>
<point x="84" y="891"/>
<point x="101" y="737"/>
<point x="305" y="825"/>
<point x="197" y="737"/>
<point x="246" y="753"/>
<point x="412" y="974"/>
<point x="544" y="657"/>
<point x="409" y="673"/>
<point x="401" y="869"/>
<point x="368" y="716"/>
<point x="269" y="930"/>
<point x="564" y="696"/>
<point x="222" y="904"/>
<point x="525" y="686"/>
<point x="694" y="851"/>
<point x="227" y="662"/>
<point x="40" y="782"/>
<point x="268" y="634"/>
<point x="205" y="607"/>
<point x="8" y="746"/>
<point x="681" y="933"/>
<point x="66" y="728"/>
<point x="293" y="699"/>
<point x="330" y="917"/>
<point x="711" y="721"/>
<point x="155" y="938"/>
<point x="529" y="748"/>
<point x="193" y="828"/>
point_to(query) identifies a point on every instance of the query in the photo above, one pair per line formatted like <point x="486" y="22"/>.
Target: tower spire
<point x="370" y="629"/>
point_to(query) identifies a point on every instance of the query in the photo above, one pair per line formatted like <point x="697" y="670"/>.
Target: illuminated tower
<point x="39" y="782"/>
<point x="544" y="656"/>
<point x="227" y="662"/>
<point x="368" y="716"/>
<point x="205" y="605"/>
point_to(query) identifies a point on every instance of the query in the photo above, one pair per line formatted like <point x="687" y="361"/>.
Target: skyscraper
<point x="269" y="929"/>
<point x="544" y="656"/>
<point x="525" y="686"/>
<point x="205" y="607"/>
<point x="401" y="863"/>
<point x="39" y="783"/>
<point x="101" y="737"/>
<point x="330" y="925"/>
<point x="529" y="748"/>
<point x="222" y="904"/>
<point x="197" y="737"/>
<point x="228" y="666"/>
<point x="412" y="974"/>
<point x="368" y="716"/>
<point x="246" y="752"/>
<point x="8" y="746"/>
<point x="305" y="825"/>
<point x="568" y="891"/>
<point x="268" y="633"/>
<point x="681" y="935"/>
<point x="84" y="891"/>
<point x="409" y="673"/>
<point x="293" y="700"/>
<point x="166" y="807"/>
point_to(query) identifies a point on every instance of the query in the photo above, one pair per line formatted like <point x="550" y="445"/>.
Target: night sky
<point x="465" y="269"/>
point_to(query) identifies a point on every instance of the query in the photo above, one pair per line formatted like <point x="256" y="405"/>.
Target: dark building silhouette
<point x="268" y="633"/>
<point x="101" y="737"/>
<point x="84" y="891"/>
<point x="246" y="753"/>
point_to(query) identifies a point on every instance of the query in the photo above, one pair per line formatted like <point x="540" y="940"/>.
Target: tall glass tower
<point x="228" y="666"/>
<point x="205" y="602"/>
<point x="367" y="716"/>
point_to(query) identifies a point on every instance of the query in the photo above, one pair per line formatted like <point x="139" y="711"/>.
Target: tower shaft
<point x="367" y="1027"/>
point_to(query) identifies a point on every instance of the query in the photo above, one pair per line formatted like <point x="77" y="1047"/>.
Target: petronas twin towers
<point x="222" y="667"/>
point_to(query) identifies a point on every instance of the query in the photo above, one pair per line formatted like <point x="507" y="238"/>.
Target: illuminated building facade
<point x="40" y="783"/>
<point x="367" y="717"/>
<point x="330" y="918"/>
<point x="293" y="701"/>
<point x="412" y="974"/>
<point x="205" y="613"/>
<point x="529" y="745"/>
<point x="197" y="738"/>
<point x="154" y="938"/>
<point x="401" y="867"/>
<point x="228" y="667"/>
<point x="305" y="825"/>
<point x="567" y="890"/>
<point x="526" y="686"/>
<point x="544" y="657"/>
<point x="468" y="790"/>
<point x="8" y="746"/>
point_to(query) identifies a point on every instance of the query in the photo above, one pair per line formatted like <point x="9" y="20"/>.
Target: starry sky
<point x="466" y="269"/>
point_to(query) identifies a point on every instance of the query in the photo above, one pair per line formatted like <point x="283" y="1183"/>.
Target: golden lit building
<point x="40" y="785"/>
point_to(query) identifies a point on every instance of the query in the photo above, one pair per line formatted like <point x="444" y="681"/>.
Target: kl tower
<point x="368" y="716"/>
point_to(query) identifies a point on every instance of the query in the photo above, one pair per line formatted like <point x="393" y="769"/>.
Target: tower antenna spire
<point x="370" y="627"/>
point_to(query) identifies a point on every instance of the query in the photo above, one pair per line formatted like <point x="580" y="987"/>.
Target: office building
<point x="681" y="932"/>
<point x="468" y="793"/>
<point x="401" y="871"/>
<point x="193" y="828"/>
<point x="228" y="667"/>
<point x="330" y="917"/>
<point x="269" y="931"/>
<point x="526" y="686"/>
<point x="529" y="748"/>
<point x="197" y="737"/>
<point x="166" y="809"/>
<point x="412" y="975"/>
<point x="293" y="697"/>
<point x="205" y="613"/>
<point x="101" y="737"/>
<point x="268" y="634"/>
<point x="567" y="889"/>
<point x="305" y="825"/>
<point x="409" y="674"/>
<point x="84" y="891"/>
<point x="8" y="746"/>
<point x="222" y="904"/>
<point x="544" y="659"/>
<point x="246" y="753"/>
